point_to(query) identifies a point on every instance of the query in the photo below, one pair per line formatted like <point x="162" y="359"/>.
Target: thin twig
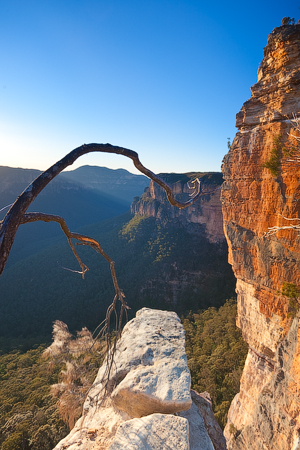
<point x="5" y="207"/>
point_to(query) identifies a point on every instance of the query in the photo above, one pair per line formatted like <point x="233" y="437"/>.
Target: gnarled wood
<point x="14" y="217"/>
<point x="17" y="216"/>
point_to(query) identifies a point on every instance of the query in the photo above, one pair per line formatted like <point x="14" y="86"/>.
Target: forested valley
<point x="32" y="418"/>
<point x="161" y="262"/>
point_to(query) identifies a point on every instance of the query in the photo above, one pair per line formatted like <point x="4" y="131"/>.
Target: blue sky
<point x="162" y="77"/>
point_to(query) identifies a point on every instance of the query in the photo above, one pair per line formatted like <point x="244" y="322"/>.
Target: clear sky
<point x="162" y="77"/>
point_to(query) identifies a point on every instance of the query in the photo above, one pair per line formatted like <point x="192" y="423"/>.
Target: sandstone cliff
<point x="196" y="274"/>
<point x="266" y="412"/>
<point x="149" y="404"/>
<point x="206" y="211"/>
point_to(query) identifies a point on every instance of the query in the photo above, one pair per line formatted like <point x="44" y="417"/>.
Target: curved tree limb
<point x="105" y="326"/>
<point x="17" y="216"/>
<point x="13" y="218"/>
<point x="83" y="240"/>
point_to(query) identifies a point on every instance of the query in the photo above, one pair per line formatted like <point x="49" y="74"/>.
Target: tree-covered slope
<point x="30" y="418"/>
<point x="216" y="353"/>
<point x="159" y="264"/>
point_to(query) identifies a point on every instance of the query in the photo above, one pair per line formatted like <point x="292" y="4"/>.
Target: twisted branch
<point x="13" y="218"/>
<point x="289" y="161"/>
<point x="291" y="156"/>
<point x="17" y="216"/>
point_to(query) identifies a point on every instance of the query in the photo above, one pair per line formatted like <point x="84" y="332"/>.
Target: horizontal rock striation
<point x="266" y="412"/>
<point x="149" y="389"/>
<point x="207" y="210"/>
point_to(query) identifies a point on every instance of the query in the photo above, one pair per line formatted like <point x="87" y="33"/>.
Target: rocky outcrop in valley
<point x="198" y="275"/>
<point x="148" y="403"/>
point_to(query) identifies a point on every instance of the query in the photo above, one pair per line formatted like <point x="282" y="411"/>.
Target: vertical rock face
<point x="207" y="210"/>
<point x="266" y="412"/>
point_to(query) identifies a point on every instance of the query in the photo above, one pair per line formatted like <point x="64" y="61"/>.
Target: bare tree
<point x="289" y="160"/>
<point x="294" y="224"/>
<point x="17" y="216"/>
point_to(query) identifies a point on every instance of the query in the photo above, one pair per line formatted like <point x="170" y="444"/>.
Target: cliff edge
<point x="207" y="210"/>
<point x="266" y="412"/>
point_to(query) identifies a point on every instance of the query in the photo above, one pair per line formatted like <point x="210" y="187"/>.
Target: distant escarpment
<point x="266" y="412"/>
<point x="166" y="259"/>
<point x="207" y="211"/>
<point x="191" y="245"/>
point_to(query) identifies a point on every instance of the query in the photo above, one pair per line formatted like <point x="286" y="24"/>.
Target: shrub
<point x="274" y="162"/>
<point x="288" y="21"/>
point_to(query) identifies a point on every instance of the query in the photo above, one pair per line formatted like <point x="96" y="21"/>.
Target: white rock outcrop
<point x="149" y="387"/>
<point x="198" y="437"/>
<point x="157" y="431"/>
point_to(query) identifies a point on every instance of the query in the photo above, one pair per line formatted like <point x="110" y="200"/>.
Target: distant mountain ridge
<point x="161" y="260"/>
<point x="118" y="182"/>
<point x="69" y="195"/>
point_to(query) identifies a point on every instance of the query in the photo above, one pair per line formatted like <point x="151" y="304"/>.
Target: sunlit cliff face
<point x="206" y="211"/>
<point x="268" y="405"/>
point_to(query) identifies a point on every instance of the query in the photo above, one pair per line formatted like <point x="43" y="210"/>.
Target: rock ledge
<point x="149" y="406"/>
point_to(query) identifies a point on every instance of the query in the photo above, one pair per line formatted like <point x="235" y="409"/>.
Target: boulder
<point x="198" y="437"/>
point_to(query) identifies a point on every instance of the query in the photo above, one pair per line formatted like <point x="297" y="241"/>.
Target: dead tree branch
<point x="17" y="216"/>
<point x="292" y="152"/>
<point x="13" y="218"/>
<point x="105" y="326"/>
<point x="276" y="229"/>
<point x="289" y="160"/>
